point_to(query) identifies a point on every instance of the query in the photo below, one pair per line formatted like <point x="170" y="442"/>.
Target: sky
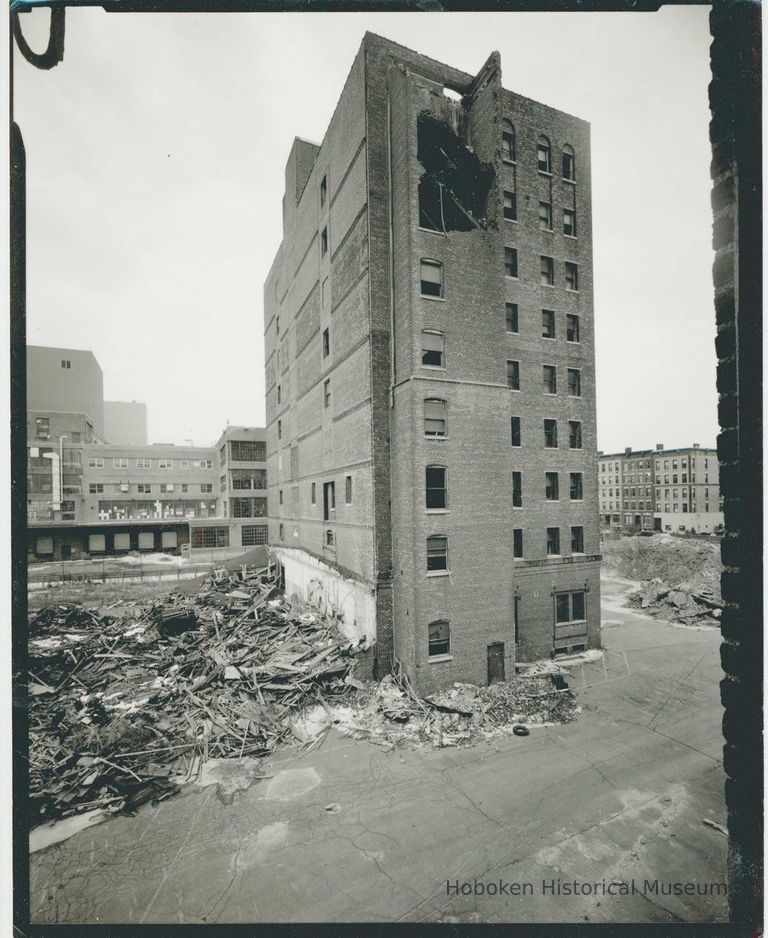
<point x="155" y="167"/>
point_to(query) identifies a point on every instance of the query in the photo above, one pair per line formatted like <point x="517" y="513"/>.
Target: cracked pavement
<point x="617" y="795"/>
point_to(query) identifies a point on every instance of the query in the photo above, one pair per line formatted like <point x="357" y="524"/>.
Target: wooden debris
<point x="124" y="709"/>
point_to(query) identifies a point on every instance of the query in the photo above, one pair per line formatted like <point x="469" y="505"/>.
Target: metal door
<point x="495" y="662"/>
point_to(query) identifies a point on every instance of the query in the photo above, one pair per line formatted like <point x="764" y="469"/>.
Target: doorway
<point x="495" y="662"/>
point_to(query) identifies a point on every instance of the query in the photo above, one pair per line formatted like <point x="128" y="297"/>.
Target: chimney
<point x="695" y="445"/>
<point x="659" y="446"/>
<point x="627" y="450"/>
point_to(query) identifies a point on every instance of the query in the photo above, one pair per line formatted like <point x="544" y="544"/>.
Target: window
<point x="254" y="534"/>
<point x="281" y="531"/>
<point x="432" y="349"/>
<point x="184" y="464"/>
<point x="43" y="428"/>
<point x="348" y="490"/>
<point x="574" y="382"/>
<point x="165" y="464"/>
<point x="553" y="542"/>
<point x="577" y="487"/>
<point x="545" y="216"/>
<point x="513" y="375"/>
<point x="329" y="500"/>
<point x="572" y="328"/>
<point x="577" y="539"/>
<point x="120" y="463"/>
<point x="570" y="607"/>
<point x="279" y="395"/>
<point x="144" y="488"/>
<point x="279" y="429"/>
<point x="550" y="434"/>
<point x="569" y="222"/>
<point x="569" y="163"/>
<point x="243" y="451"/>
<point x="143" y="463"/>
<point x="327" y="392"/>
<point x="204" y="487"/>
<point x="324" y="242"/>
<point x="431" y="278"/>
<point x="96" y="488"/>
<point x="550" y="379"/>
<point x="437" y="554"/>
<point x="280" y="496"/>
<point x="517" y="543"/>
<point x="66" y="363"/>
<point x="326" y="343"/>
<point x="510" y="262"/>
<point x="552" y="486"/>
<point x="548" y="323"/>
<point x="517" y="489"/>
<point x="323" y="191"/>
<point x="510" y="205"/>
<point x="330" y="540"/>
<point x="166" y="487"/>
<point x="571" y="276"/>
<point x="96" y="462"/>
<point x="574" y="434"/>
<point x="515" y="431"/>
<point x="436" y="488"/>
<point x="313" y="493"/>
<point x="76" y="437"/>
<point x="543" y="155"/>
<point x="507" y="141"/>
<point x="434" y="417"/>
<point x="547" y="271"/>
<point x="513" y="319"/>
<point x="439" y="638"/>
<point x="277" y="327"/>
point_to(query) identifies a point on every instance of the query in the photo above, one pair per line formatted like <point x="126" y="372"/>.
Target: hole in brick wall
<point x="454" y="190"/>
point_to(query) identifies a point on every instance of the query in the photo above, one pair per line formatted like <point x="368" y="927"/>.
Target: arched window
<point x="439" y="638"/>
<point x="507" y="141"/>
<point x="569" y="163"/>
<point x="544" y="155"/>
<point x="436" y="487"/>
<point x="435" y="412"/>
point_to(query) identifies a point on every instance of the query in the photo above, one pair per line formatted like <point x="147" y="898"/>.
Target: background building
<point x="87" y="497"/>
<point x="673" y="490"/>
<point x="65" y="381"/>
<point x="430" y="386"/>
<point x="125" y="423"/>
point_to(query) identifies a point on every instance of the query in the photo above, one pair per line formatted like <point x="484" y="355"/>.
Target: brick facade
<point x="393" y="100"/>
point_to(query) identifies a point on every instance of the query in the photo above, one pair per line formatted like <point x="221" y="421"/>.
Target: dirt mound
<point x="688" y="565"/>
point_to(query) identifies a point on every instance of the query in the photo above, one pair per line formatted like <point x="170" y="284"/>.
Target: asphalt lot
<point x="351" y="832"/>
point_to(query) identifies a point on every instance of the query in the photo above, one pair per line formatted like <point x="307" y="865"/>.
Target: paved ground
<point x="619" y="795"/>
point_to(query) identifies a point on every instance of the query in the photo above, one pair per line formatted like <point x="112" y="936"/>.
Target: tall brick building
<point x="431" y="448"/>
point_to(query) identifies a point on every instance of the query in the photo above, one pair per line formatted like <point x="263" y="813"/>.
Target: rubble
<point x="392" y="715"/>
<point x="122" y="710"/>
<point x="678" y="604"/>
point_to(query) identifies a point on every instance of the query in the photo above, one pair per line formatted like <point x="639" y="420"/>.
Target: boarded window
<point x="146" y="540"/>
<point x="169" y="539"/>
<point x="96" y="543"/>
<point x="44" y="546"/>
<point x="122" y="542"/>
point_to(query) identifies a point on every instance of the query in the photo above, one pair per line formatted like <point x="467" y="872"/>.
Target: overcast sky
<point x="155" y="160"/>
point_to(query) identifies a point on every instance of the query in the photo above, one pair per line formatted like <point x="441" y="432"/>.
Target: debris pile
<point x="125" y="708"/>
<point x="678" y="604"/>
<point x="390" y="714"/>
<point x="692" y="563"/>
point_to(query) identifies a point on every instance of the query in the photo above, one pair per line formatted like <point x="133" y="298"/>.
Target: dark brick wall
<point x="478" y="597"/>
<point x="735" y="102"/>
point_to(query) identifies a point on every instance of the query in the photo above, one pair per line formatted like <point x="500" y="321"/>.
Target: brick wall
<point x="735" y="102"/>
